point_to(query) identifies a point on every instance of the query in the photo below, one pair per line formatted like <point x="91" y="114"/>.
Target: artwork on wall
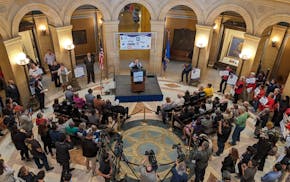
<point x="235" y="47"/>
<point x="79" y="37"/>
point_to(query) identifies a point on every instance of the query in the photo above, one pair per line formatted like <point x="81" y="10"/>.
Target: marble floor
<point x="170" y="86"/>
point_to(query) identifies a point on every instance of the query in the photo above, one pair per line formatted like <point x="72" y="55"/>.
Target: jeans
<point x="221" y="146"/>
<point x="186" y="75"/>
<point x="223" y="82"/>
<point x="236" y="134"/>
<point x="43" y="158"/>
<point x="65" y="169"/>
<point x="199" y="174"/>
<point x="91" y="74"/>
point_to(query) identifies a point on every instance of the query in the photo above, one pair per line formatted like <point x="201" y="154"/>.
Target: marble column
<point x="202" y="38"/>
<point x="14" y="48"/>
<point x="216" y="36"/>
<point x="62" y="36"/>
<point x="286" y="90"/>
<point x="44" y="41"/>
<point x="250" y="47"/>
<point x="111" y="50"/>
<point x="155" y="62"/>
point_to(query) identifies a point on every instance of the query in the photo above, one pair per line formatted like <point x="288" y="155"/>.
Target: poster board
<point x="251" y="80"/>
<point x="79" y="71"/>
<point x="224" y="73"/>
<point x="195" y="73"/>
<point x="135" y="41"/>
<point x="138" y="76"/>
<point x="232" y="80"/>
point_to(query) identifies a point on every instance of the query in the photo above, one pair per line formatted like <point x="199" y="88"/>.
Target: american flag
<point x="101" y="59"/>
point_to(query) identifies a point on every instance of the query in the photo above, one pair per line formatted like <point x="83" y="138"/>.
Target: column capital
<point x="63" y="29"/>
<point x="14" y="40"/>
<point x="204" y="27"/>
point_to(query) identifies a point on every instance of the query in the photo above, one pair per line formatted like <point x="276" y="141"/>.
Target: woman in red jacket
<point x="270" y="104"/>
<point x="258" y="94"/>
<point x="239" y="88"/>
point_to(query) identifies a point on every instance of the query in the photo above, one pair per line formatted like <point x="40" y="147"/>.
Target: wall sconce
<point x="42" y="28"/>
<point x="275" y="42"/>
<point x="215" y="26"/>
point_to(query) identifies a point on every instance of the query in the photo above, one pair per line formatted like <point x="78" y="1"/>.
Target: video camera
<point x="180" y="154"/>
<point x="118" y="149"/>
<point x="152" y="159"/>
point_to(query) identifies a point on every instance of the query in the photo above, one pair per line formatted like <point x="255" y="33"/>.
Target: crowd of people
<point x="201" y="117"/>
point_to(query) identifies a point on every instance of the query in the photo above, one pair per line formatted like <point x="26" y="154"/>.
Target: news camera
<point x="152" y="159"/>
<point x="180" y="154"/>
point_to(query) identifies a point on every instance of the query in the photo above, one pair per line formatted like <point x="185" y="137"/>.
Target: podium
<point x="138" y="80"/>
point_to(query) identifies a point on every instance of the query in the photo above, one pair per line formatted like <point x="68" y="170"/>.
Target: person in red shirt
<point x="250" y="87"/>
<point x="40" y="120"/>
<point x="239" y="89"/>
<point x="258" y="94"/>
<point x="223" y="84"/>
<point x="270" y="104"/>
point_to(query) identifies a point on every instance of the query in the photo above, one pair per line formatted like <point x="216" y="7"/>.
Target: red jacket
<point x="260" y="94"/>
<point x="226" y="77"/>
<point x="239" y="87"/>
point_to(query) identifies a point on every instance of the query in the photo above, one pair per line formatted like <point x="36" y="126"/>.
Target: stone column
<point x="286" y="90"/>
<point x="62" y="36"/>
<point x="155" y="62"/>
<point x="44" y="41"/>
<point x="204" y="36"/>
<point x="14" y="48"/>
<point x="216" y="36"/>
<point x="250" y="47"/>
<point x="111" y="50"/>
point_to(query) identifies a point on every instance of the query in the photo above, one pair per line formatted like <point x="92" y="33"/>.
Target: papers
<point x="263" y="100"/>
<point x="232" y="80"/>
<point x="256" y="91"/>
<point x="251" y="80"/>
<point x="79" y="71"/>
<point x="249" y="89"/>
<point x="195" y="73"/>
<point x="224" y="73"/>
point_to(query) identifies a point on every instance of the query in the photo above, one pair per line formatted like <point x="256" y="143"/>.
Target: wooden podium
<point x="138" y="80"/>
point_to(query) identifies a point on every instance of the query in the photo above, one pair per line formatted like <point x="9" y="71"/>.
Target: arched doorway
<point x="87" y="31"/>
<point x="179" y="38"/>
<point x="133" y="19"/>
<point x="36" y="38"/>
<point x="274" y="48"/>
<point x="227" y="42"/>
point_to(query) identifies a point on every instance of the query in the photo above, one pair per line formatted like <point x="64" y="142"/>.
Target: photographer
<point x="179" y="172"/>
<point x="147" y="172"/>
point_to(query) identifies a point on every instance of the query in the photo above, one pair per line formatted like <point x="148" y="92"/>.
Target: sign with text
<point x="79" y="71"/>
<point x="232" y="80"/>
<point x="135" y="41"/>
<point x="195" y="73"/>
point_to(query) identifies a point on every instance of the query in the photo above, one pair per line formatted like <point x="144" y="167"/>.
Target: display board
<point x="135" y="41"/>
<point x="138" y="76"/>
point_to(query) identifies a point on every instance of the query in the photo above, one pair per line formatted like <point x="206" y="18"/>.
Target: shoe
<point x="219" y="91"/>
<point x="216" y="155"/>
<point x="1" y="134"/>
<point x="42" y="110"/>
<point x="40" y="167"/>
<point x="157" y="113"/>
<point x="233" y="144"/>
<point x="49" y="169"/>
<point x="71" y="169"/>
<point x="28" y="160"/>
<point x="22" y="158"/>
<point x="128" y="117"/>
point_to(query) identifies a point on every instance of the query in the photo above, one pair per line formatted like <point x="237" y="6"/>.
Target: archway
<point x="228" y="37"/>
<point x="273" y="56"/>
<point x="87" y="31"/>
<point x="179" y="38"/>
<point x="134" y="21"/>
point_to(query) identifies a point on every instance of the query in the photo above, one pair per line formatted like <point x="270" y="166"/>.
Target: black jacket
<point x="90" y="148"/>
<point x="89" y="64"/>
<point x="13" y="93"/>
<point x="62" y="151"/>
<point x="18" y="140"/>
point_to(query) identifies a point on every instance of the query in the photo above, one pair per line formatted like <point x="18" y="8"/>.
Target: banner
<point x="79" y="71"/>
<point x="232" y="80"/>
<point x="195" y="73"/>
<point x="135" y="41"/>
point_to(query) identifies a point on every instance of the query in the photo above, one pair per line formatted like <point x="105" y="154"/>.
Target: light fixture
<point x="42" y="28"/>
<point x="215" y="26"/>
<point x="274" y="42"/>
<point x="245" y="55"/>
<point x="200" y="44"/>
<point x="68" y="45"/>
<point x="22" y="60"/>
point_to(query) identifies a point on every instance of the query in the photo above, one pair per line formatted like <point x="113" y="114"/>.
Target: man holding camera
<point x="179" y="172"/>
<point x="147" y="172"/>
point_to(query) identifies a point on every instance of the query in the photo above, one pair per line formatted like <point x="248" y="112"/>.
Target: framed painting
<point x="79" y="37"/>
<point x="235" y="47"/>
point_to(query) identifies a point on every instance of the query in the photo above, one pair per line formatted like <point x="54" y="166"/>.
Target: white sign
<point x="138" y="76"/>
<point x="79" y="71"/>
<point x="251" y="80"/>
<point x="263" y="100"/>
<point x="135" y="41"/>
<point x="257" y="91"/>
<point x="232" y="80"/>
<point x="224" y="73"/>
<point x="195" y="73"/>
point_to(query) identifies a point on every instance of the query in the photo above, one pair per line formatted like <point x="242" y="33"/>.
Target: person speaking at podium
<point x="135" y="64"/>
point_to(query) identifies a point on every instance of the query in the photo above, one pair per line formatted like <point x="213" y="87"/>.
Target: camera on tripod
<point x="180" y="154"/>
<point x="118" y="149"/>
<point x="152" y="159"/>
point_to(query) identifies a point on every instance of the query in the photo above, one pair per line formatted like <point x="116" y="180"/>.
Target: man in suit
<point x="89" y="62"/>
